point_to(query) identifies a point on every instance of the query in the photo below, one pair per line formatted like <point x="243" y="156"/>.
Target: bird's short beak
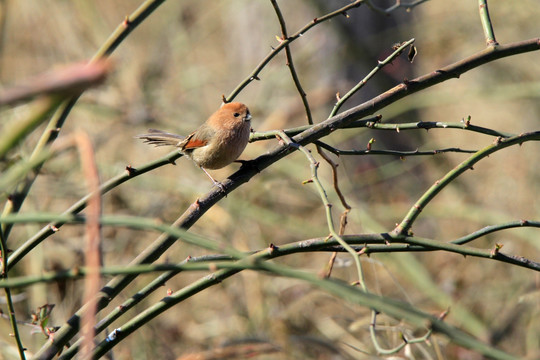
<point x="248" y="117"/>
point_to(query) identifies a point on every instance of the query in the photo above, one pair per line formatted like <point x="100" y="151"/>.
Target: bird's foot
<point x="220" y="186"/>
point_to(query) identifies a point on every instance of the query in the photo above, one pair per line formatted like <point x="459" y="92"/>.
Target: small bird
<point x="216" y="143"/>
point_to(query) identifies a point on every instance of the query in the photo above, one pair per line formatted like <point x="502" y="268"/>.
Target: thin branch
<point x="398" y="4"/>
<point x="307" y="109"/>
<point x="335" y="182"/>
<point x="9" y="300"/>
<point x="460" y="249"/>
<point x="373" y="335"/>
<point x="464" y="125"/>
<point x="202" y="263"/>
<point x="255" y="73"/>
<point x="373" y="122"/>
<point x="290" y="62"/>
<point x="501" y="143"/>
<point x="486" y="23"/>
<point x="494" y="228"/>
<point x="380" y="65"/>
<point x="416" y="152"/>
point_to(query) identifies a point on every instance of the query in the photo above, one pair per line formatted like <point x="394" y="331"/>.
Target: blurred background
<point x="171" y="73"/>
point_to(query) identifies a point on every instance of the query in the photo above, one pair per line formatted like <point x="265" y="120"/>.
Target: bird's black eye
<point x="236" y="114"/>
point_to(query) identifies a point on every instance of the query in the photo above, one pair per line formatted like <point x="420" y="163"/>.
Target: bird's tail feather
<point x="160" y="138"/>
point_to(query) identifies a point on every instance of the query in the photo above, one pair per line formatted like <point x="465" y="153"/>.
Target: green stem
<point x="49" y="135"/>
<point x="132" y="222"/>
<point x="486" y="24"/>
<point x="9" y="300"/>
<point x="14" y="134"/>
<point x="493" y="228"/>
<point x="373" y="335"/>
<point x="203" y="263"/>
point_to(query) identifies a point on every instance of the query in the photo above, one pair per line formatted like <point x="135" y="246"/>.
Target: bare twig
<point x="290" y="62"/>
<point x="405" y="225"/>
<point x="283" y="44"/>
<point x="392" y="152"/>
<point x="380" y="65"/>
<point x="398" y="4"/>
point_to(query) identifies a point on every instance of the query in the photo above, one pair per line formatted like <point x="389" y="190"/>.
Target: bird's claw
<point x="221" y="187"/>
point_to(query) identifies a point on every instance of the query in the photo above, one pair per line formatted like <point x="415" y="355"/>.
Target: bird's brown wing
<point x="161" y="138"/>
<point x="198" y="138"/>
<point x="192" y="142"/>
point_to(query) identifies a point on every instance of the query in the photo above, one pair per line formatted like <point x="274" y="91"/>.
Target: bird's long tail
<point x="160" y="138"/>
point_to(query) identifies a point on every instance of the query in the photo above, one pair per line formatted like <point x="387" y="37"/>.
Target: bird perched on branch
<point x="216" y="143"/>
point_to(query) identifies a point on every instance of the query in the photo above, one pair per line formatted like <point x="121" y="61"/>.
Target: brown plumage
<point x="216" y="143"/>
